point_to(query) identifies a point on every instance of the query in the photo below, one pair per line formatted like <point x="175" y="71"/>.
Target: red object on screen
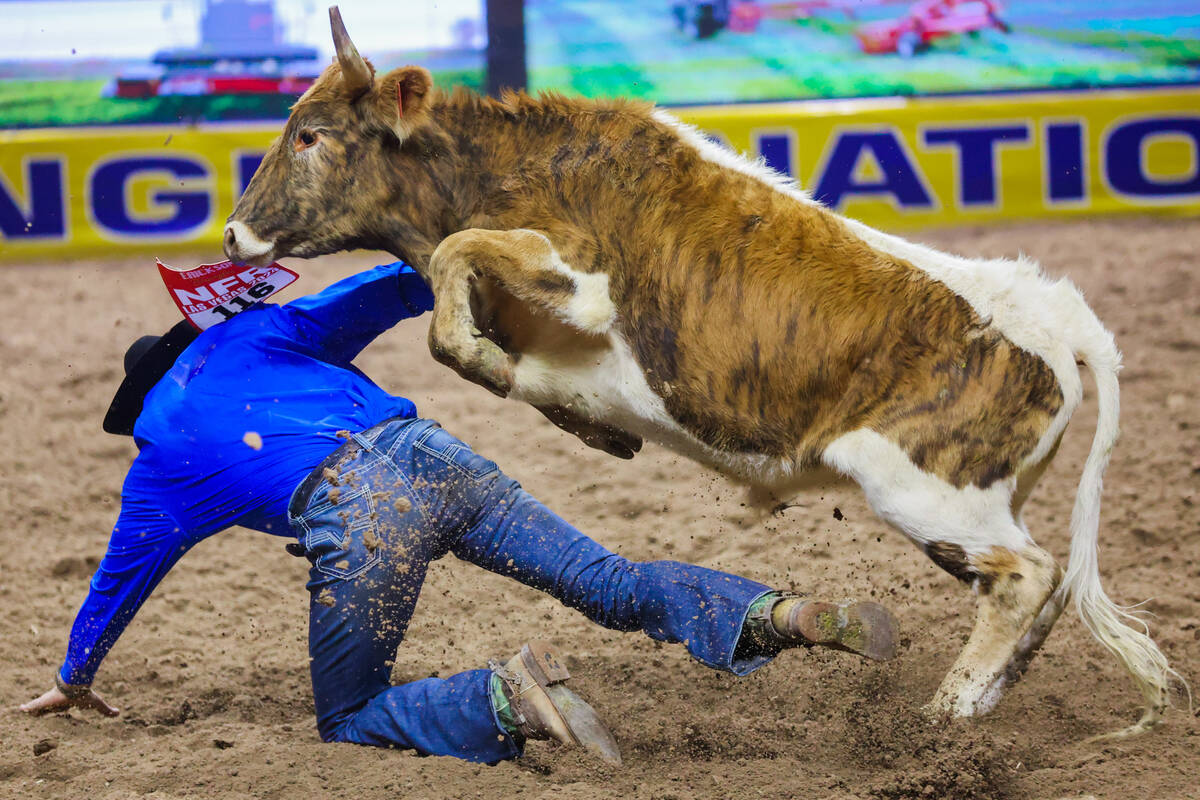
<point x="926" y="21"/>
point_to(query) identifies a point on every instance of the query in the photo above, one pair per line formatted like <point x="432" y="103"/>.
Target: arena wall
<point x="892" y="162"/>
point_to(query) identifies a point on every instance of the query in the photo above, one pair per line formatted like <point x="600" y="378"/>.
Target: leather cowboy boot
<point x="865" y="628"/>
<point x="542" y="707"/>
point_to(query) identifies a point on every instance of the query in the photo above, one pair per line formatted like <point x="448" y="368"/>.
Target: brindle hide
<point x="733" y="294"/>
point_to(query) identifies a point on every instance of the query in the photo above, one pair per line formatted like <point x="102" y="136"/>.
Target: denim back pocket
<point x="341" y="535"/>
<point x="444" y="447"/>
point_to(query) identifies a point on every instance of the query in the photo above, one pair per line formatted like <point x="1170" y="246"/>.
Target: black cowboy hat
<point x="146" y="361"/>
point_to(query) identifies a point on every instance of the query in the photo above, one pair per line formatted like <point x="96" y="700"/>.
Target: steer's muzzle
<point x="243" y="247"/>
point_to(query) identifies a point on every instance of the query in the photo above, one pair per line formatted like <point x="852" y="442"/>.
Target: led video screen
<point x="87" y="62"/>
<point x="722" y="51"/>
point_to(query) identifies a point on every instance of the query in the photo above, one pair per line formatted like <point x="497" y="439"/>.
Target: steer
<point x="612" y="267"/>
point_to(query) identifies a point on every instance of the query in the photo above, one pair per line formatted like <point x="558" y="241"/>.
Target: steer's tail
<point x="1115" y="627"/>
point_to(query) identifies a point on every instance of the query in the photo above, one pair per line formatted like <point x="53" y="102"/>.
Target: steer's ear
<point x="403" y="99"/>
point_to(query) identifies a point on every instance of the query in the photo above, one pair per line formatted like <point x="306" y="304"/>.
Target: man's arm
<point x="145" y="544"/>
<point x="347" y="316"/>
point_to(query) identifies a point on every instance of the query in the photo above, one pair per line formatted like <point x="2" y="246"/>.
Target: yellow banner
<point x="893" y="163"/>
<point x="907" y="162"/>
<point x="93" y="191"/>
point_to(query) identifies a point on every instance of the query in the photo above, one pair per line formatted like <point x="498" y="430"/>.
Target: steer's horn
<point x="355" y="71"/>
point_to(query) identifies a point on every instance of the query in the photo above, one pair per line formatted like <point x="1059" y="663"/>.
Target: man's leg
<point x="370" y="546"/>
<point x="667" y="600"/>
<point x="501" y="527"/>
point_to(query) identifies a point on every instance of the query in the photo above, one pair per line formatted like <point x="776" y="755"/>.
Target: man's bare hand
<point x="55" y="700"/>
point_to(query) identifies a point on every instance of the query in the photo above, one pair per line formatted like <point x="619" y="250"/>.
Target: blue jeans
<point x="409" y="494"/>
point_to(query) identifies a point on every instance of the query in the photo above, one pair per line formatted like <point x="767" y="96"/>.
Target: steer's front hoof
<point x="479" y="361"/>
<point x="492" y="369"/>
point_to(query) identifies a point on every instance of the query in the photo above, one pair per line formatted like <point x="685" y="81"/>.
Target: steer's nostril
<point x="230" y="240"/>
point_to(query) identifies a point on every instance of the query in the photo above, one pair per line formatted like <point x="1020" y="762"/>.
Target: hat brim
<point x="131" y="394"/>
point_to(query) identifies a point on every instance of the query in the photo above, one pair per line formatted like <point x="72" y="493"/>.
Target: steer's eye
<point x="305" y="139"/>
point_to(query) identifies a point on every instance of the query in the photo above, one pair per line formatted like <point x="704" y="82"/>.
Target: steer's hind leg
<point x="1051" y="610"/>
<point x="1027" y="647"/>
<point x="971" y="533"/>
<point x="524" y="265"/>
<point x="1015" y="610"/>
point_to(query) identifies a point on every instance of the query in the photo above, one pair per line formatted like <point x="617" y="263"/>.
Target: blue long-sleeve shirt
<point x="276" y="374"/>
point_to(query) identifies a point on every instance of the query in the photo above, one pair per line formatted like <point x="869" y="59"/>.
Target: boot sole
<point x="867" y="629"/>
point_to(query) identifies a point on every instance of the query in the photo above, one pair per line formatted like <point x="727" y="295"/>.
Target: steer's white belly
<point x="599" y="378"/>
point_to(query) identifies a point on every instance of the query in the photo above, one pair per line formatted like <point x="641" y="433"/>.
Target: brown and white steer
<point x="612" y="267"/>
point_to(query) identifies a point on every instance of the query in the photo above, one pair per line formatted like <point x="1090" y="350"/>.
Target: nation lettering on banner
<point x="212" y="293"/>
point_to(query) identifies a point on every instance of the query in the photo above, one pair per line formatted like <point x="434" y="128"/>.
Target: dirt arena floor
<point x="212" y="676"/>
